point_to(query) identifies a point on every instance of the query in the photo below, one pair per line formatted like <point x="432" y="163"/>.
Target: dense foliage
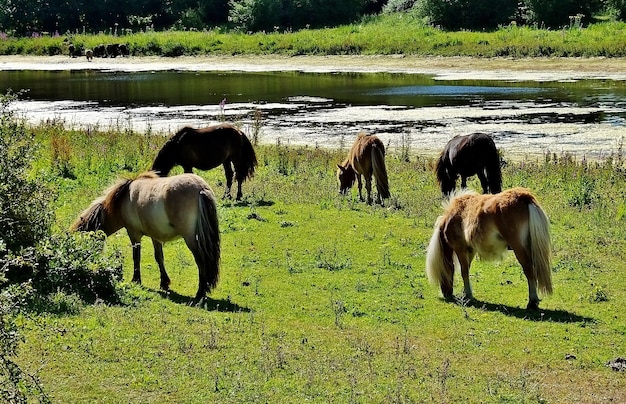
<point x="37" y="17"/>
<point x="39" y="270"/>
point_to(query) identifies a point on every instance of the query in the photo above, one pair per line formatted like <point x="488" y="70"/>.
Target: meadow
<point x="386" y="34"/>
<point x="323" y="298"/>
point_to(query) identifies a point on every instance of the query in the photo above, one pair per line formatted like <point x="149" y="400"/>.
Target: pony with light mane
<point x="488" y="225"/>
<point x="163" y="209"/>
<point x="207" y="148"/>
<point x="469" y="155"/>
<point x="366" y="158"/>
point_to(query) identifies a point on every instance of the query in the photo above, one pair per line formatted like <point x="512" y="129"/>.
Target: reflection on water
<point x="584" y="117"/>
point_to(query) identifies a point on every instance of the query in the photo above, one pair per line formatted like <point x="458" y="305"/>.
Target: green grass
<point x="381" y="35"/>
<point x="324" y="299"/>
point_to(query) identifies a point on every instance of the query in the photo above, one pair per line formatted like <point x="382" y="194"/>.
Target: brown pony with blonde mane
<point x="367" y="158"/>
<point x="163" y="209"/>
<point x="487" y="225"/>
<point x="207" y="148"/>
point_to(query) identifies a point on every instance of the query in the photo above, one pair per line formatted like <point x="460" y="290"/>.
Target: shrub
<point x="467" y="14"/>
<point x="24" y="217"/>
<point x="560" y="13"/>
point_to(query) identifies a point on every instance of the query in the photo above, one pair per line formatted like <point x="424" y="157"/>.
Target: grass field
<point x="323" y="298"/>
<point x="381" y="35"/>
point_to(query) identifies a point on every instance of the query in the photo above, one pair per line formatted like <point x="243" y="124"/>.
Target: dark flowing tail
<point x="380" y="172"/>
<point x="208" y="239"/>
<point x="540" y="247"/>
<point x="443" y="178"/>
<point x="494" y="172"/>
<point x="248" y="159"/>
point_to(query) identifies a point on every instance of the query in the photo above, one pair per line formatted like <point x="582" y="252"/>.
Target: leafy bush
<point x="617" y="8"/>
<point x="24" y="217"/>
<point x="467" y="14"/>
<point x="560" y="13"/>
<point x="269" y="15"/>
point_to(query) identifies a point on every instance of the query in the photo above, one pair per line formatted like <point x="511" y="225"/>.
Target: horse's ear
<point x="342" y="168"/>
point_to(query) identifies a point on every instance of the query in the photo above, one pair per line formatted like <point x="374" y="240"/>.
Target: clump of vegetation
<point x="39" y="270"/>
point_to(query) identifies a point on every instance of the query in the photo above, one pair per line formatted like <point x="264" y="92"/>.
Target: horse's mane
<point x="455" y="194"/>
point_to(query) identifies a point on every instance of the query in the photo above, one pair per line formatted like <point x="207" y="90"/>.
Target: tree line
<point x="37" y="17"/>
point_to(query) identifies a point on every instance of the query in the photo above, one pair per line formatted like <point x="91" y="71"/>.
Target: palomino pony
<point x="163" y="209"/>
<point x="487" y="225"/>
<point x="367" y="158"/>
<point x="207" y="148"/>
<point x="466" y="156"/>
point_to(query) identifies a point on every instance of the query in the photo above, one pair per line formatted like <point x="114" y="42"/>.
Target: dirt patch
<point x="541" y="69"/>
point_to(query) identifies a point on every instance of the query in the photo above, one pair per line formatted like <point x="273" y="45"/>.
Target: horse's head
<point x="346" y="176"/>
<point x="92" y="219"/>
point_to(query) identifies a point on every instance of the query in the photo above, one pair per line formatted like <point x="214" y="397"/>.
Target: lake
<point x="327" y="109"/>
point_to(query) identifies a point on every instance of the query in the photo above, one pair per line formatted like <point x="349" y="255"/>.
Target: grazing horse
<point x="207" y="148"/>
<point x="466" y="156"/>
<point x="487" y="225"/>
<point x="367" y="158"/>
<point x="163" y="209"/>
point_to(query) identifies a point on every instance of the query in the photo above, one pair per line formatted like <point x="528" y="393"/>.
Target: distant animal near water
<point x="163" y="209"/>
<point x="468" y="155"/>
<point x="365" y="158"/>
<point x="207" y="148"/>
<point x="487" y="225"/>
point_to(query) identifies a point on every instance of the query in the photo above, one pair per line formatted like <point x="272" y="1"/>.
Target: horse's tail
<point x="248" y="159"/>
<point x="494" y="172"/>
<point x="540" y="247"/>
<point x="439" y="267"/>
<point x="380" y="171"/>
<point x="443" y="177"/>
<point x="208" y="239"/>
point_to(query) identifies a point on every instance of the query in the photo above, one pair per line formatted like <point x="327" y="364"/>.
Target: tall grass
<point x="382" y="35"/>
<point x="323" y="298"/>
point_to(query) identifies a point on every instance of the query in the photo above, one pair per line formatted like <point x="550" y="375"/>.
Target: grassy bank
<point x="382" y="35"/>
<point x="324" y="299"/>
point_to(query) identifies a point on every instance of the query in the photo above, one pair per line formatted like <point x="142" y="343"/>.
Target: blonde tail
<point x="436" y="267"/>
<point x="540" y="247"/>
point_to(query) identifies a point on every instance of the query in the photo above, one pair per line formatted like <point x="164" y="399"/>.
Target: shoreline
<point x="442" y="68"/>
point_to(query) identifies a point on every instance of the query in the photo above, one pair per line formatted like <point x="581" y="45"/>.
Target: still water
<point x="586" y="117"/>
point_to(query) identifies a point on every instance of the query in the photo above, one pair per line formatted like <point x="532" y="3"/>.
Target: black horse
<point x="207" y="148"/>
<point x="468" y="155"/>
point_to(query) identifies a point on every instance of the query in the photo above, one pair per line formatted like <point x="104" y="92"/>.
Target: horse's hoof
<point x="137" y="280"/>
<point x="532" y="306"/>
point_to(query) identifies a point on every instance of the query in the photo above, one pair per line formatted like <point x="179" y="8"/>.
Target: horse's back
<point x="360" y="156"/>
<point x="164" y="208"/>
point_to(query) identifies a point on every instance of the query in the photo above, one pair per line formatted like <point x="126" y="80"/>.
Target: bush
<point x="269" y="15"/>
<point x="560" y="13"/>
<point x="24" y="216"/>
<point x="617" y="8"/>
<point x="467" y="14"/>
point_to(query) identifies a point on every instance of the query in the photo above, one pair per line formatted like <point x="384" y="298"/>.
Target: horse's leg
<point x="524" y="258"/>
<point x="463" y="182"/>
<point x="203" y="280"/>
<point x="158" y="256"/>
<point x="465" y="260"/>
<point x="368" y="188"/>
<point x="228" y="172"/>
<point x="483" y="181"/>
<point x="358" y="178"/>
<point x="136" y="261"/>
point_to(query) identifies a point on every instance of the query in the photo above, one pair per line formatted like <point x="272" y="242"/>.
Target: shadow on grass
<point x="557" y="316"/>
<point x="205" y="303"/>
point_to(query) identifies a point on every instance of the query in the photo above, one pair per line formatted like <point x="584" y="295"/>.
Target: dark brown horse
<point x="207" y="148"/>
<point x="488" y="225"/>
<point x="163" y="209"/>
<point x="367" y="158"/>
<point x="464" y="156"/>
